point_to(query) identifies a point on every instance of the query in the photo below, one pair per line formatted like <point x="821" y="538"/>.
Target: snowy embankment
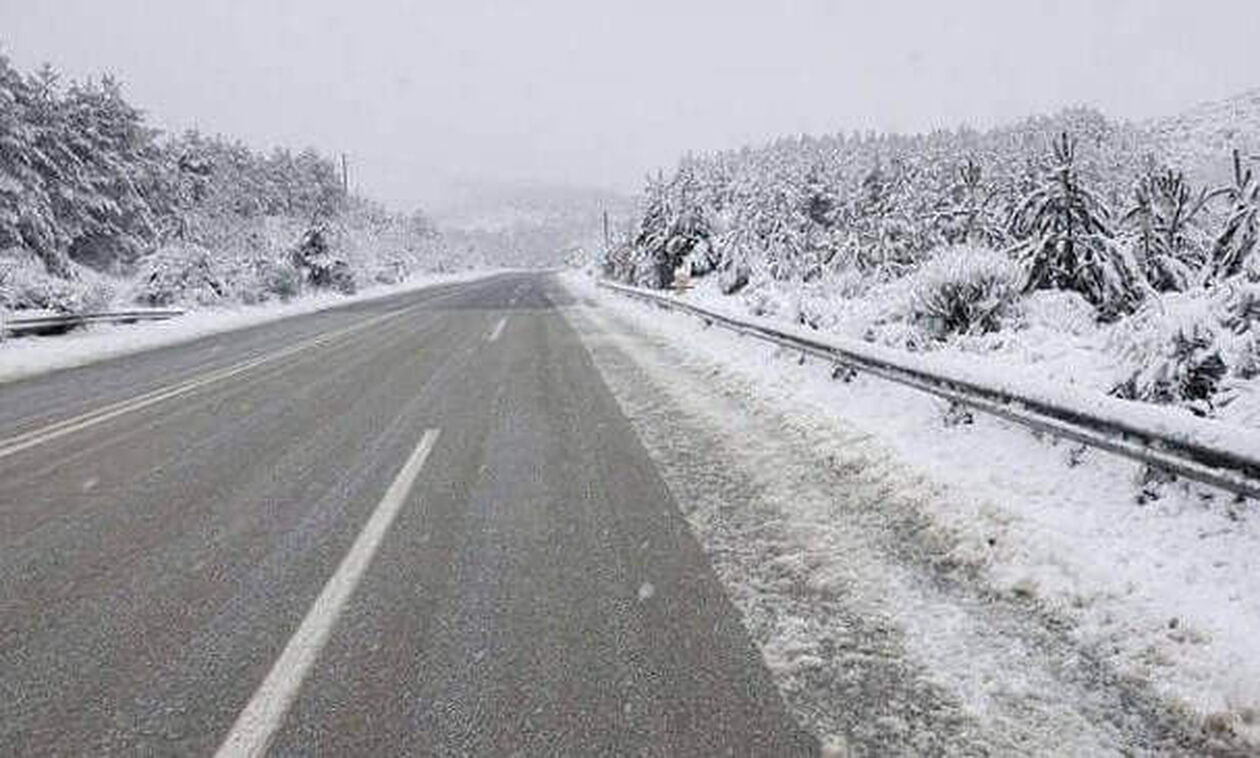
<point x="1021" y="579"/>
<point x="1038" y="397"/>
<point x="28" y="356"/>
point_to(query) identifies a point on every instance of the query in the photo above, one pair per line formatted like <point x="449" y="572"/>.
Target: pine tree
<point x="966" y="214"/>
<point x="651" y="264"/>
<point x="116" y="176"/>
<point x="35" y="156"/>
<point x="1065" y="240"/>
<point x="1237" y="239"/>
<point x="1163" y="214"/>
<point x="19" y="183"/>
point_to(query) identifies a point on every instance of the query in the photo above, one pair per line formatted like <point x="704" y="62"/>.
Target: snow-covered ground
<point x="919" y="586"/>
<point x="27" y="356"/>
<point x="1049" y="338"/>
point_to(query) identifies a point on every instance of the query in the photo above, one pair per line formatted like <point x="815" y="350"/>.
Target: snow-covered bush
<point x="281" y="279"/>
<point x="262" y="279"/>
<point x="182" y="273"/>
<point x="26" y="284"/>
<point x="323" y="267"/>
<point x="1191" y="349"/>
<point x="1187" y="369"/>
<point x="733" y="279"/>
<point x="1241" y="306"/>
<point x="847" y="284"/>
<point x="963" y="290"/>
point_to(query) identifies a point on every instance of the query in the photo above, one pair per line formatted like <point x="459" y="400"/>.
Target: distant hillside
<point x="532" y="225"/>
<point x="1201" y="139"/>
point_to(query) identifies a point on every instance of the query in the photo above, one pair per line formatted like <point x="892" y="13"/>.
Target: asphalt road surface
<point x="418" y="525"/>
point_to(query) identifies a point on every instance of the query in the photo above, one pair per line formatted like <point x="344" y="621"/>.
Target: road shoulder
<point x="883" y="631"/>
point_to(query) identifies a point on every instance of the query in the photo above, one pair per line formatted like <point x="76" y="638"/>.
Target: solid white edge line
<point x="498" y="330"/>
<point x="260" y="719"/>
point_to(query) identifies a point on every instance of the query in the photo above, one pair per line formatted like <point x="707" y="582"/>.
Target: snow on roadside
<point x="1166" y="593"/>
<point x="1039" y="382"/>
<point x="27" y="356"/>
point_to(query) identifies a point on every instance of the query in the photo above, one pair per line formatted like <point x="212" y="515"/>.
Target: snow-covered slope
<point x="1201" y="140"/>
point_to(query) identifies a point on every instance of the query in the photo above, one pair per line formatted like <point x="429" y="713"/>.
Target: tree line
<point x="93" y="199"/>
<point x="1081" y="203"/>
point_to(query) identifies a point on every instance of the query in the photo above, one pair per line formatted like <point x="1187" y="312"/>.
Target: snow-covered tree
<point x="1237" y="239"/>
<point x="1065" y="241"/>
<point x="88" y="189"/>
<point x="653" y="265"/>
<point x="967" y="214"/>
<point x="1163" y="217"/>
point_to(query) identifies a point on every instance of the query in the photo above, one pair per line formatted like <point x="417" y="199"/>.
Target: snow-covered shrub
<point x="181" y="273"/>
<point x="323" y="267"/>
<point x="1179" y="350"/>
<point x="733" y="279"/>
<point x="963" y="290"/>
<point x="1188" y="370"/>
<point x="98" y="292"/>
<point x="1241" y="306"/>
<point x="282" y="279"/>
<point x="390" y="272"/>
<point x="26" y="284"/>
<point x="263" y="279"/>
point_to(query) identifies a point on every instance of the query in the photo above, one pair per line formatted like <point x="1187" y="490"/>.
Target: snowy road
<point x="505" y="516"/>
<point x="885" y="633"/>
<point x="412" y="526"/>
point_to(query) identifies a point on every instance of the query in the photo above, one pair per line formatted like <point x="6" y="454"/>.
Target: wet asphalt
<point x="538" y="592"/>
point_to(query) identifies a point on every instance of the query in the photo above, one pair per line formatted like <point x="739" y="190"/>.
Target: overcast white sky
<point x="423" y="95"/>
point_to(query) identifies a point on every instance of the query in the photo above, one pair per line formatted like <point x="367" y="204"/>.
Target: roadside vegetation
<point x="1070" y="247"/>
<point x="99" y="208"/>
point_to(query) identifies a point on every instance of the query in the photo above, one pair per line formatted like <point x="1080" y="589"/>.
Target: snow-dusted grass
<point x="28" y="356"/>
<point x="1167" y="592"/>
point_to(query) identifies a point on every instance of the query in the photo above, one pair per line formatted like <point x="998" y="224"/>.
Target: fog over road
<point x="417" y="525"/>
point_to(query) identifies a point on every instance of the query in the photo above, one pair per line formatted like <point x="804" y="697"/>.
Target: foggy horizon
<point x="437" y="103"/>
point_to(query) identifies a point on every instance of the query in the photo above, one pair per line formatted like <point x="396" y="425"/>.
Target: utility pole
<point x="606" y="240"/>
<point x="345" y="177"/>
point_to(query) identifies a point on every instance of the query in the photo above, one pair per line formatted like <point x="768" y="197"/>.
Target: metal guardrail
<point x="58" y="324"/>
<point x="1198" y="449"/>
